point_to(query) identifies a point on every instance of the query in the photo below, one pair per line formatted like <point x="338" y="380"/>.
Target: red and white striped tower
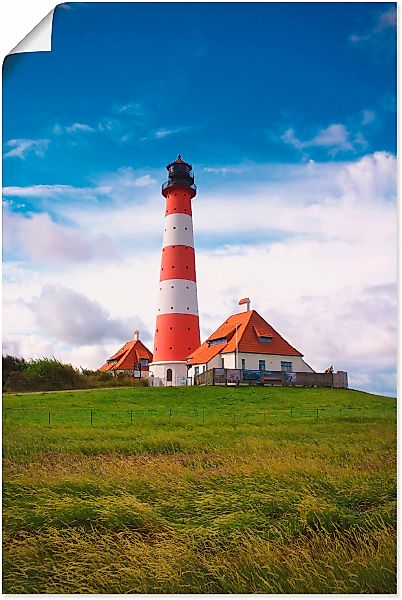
<point x="177" y="331"/>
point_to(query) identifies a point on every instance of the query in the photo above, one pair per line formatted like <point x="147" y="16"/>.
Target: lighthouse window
<point x="185" y="228"/>
<point x="171" y="307"/>
<point x="171" y="286"/>
<point x="171" y="328"/>
<point x="169" y="375"/>
<point x="174" y="227"/>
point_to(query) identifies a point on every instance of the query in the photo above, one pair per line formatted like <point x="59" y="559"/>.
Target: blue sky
<point x="287" y="113"/>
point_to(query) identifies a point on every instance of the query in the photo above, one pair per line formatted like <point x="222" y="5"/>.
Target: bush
<point x="48" y="374"/>
<point x="43" y="374"/>
<point x="11" y="364"/>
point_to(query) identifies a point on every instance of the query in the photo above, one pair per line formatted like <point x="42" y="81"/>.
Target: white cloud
<point x="384" y="21"/>
<point x="79" y="127"/>
<point x="163" y="132"/>
<point x="133" y="109"/>
<point x="36" y="237"/>
<point x="71" y="317"/>
<point x="368" y="117"/>
<point x="28" y="346"/>
<point x="223" y="170"/>
<point x="127" y="177"/>
<point x="52" y="191"/>
<point x="20" y="148"/>
<point x="380" y="38"/>
<point x="335" y="138"/>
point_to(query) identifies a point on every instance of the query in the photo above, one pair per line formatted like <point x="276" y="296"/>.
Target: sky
<point x="286" y="112"/>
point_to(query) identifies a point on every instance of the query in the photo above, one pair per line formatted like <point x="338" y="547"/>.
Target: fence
<point x="240" y="377"/>
<point x="176" y="417"/>
<point x="163" y="382"/>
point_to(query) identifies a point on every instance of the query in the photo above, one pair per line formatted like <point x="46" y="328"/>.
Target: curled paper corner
<point x="39" y="39"/>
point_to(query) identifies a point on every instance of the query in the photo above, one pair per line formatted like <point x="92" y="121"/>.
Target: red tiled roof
<point x="127" y="356"/>
<point x="250" y="326"/>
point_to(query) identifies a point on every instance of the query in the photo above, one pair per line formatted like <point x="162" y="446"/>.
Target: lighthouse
<point x="177" y="330"/>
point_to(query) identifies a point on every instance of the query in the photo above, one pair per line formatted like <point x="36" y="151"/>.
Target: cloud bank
<point x="313" y="245"/>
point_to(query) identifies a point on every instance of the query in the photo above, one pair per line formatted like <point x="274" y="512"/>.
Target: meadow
<point x="199" y="490"/>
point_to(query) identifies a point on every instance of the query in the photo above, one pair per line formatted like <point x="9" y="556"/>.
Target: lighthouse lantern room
<point x="177" y="330"/>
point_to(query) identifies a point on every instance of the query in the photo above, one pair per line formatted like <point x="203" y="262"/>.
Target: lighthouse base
<point x="168" y="373"/>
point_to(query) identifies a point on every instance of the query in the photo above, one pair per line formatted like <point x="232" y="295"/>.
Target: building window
<point x="223" y="363"/>
<point x="144" y="362"/>
<point x="169" y="375"/>
<point x="203" y="368"/>
<point x="286" y="366"/>
<point x="264" y="339"/>
<point x="243" y="363"/>
<point x="261" y="365"/>
<point x="217" y="341"/>
<point x="196" y="370"/>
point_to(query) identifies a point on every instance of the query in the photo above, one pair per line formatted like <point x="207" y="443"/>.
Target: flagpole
<point x="237" y="350"/>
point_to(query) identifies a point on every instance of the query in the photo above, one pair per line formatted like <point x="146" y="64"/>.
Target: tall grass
<point x="200" y="503"/>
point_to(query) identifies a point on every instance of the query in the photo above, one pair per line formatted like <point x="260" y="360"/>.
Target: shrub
<point x="47" y="374"/>
<point x="43" y="374"/>
<point x="11" y="364"/>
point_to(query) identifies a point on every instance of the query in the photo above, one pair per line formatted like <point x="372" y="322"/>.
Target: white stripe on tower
<point x="178" y="230"/>
<point x="177" y="296"/>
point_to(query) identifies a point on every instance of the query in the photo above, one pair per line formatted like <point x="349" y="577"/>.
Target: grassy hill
<point x="267" y="490"/>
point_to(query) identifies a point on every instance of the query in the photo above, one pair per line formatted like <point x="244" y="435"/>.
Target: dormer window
<point x="264" y="339"/>
<point x="217" y="341"/>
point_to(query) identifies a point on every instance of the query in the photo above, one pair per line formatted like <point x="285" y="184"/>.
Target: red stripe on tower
<point x="177" y="331"/>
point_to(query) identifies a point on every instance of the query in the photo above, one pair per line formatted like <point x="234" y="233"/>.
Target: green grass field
<point x="199" y="490"/>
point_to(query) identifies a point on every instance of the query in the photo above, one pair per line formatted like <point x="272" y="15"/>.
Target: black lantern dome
<point x="180" y="175"/>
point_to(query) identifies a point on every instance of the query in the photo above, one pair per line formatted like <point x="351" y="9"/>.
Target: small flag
<point x="244" y="301"/>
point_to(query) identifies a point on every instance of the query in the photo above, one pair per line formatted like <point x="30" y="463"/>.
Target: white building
<point x="246" y="341"/>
